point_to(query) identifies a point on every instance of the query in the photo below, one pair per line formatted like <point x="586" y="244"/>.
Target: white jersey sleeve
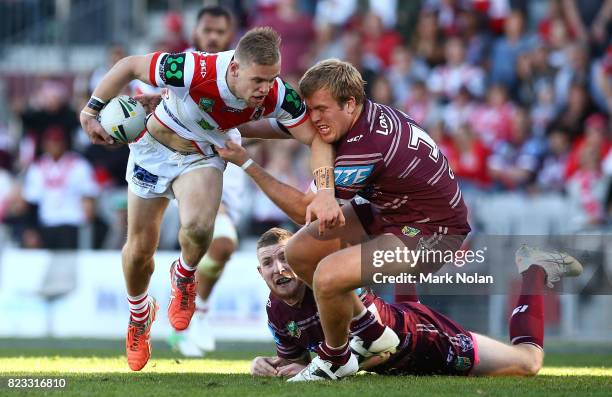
<point x="290" y="109"/>
<point x="172" y="70"/>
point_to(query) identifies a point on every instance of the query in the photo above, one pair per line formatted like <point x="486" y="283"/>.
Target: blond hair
<point x="259" y="45"/>
<point x="273" y="236"/>
<point x="342" y="79"/>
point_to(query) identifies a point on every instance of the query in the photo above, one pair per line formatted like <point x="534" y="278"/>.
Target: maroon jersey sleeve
<point x="286" y="346"/>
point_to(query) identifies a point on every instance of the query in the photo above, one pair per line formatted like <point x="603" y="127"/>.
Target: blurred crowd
<point x="518" y="95"/>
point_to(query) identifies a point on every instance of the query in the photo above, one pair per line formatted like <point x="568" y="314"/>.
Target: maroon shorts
<point x="431" y="344"/>
<point x="415" y="236"/>
<point x="376" y="224"/>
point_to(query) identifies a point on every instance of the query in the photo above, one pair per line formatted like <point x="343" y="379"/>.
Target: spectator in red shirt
<point x="377" y="40"/>
<point x="492" y="121"/>
<point x="297" y="32"/>
<point x="468" y="157"/>
<point x="595" y="136"/>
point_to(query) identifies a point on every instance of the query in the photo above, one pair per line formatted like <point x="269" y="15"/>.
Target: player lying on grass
<point x="413" y="199"/>
<point x="430" y="343"/>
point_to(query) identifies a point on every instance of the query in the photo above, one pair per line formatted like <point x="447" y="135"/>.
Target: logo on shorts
<point x="410" y="231"/>
<point x="462" y="363"/>
<point x="293" y="329"/>
<point x="206" y="104"/>
<point x="205" y="125"/>
<point x="465" y="342"/>
<point x="144" y="178"/>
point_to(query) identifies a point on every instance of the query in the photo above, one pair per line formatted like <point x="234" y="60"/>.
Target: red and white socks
<point x="183" y="269"/>
<point x="139" y="307"/>
<point x="527" y="319"/>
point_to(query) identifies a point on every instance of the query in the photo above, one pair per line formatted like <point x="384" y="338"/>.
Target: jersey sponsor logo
<point x="293" y="329"/>
<point x="352" y="175"/>
<point x="410" y="231"/>
<point x="206" y="104"/>
<point x="205" y="125"/>
<point x="230" y="109"/>
<point x="144" y="178"/>
<point x="172" y="69"/>
<point x="292" y="103"/>
<point x="383" y="122"/>
<point x="355" y="139"/>
<point x="257" y="113"/>
<point x="203" y="67"/>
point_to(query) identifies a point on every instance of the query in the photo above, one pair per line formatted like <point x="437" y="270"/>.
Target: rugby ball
<point x="123" y="118"/>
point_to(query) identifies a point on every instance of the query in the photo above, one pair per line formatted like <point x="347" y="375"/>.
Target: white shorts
<point x="234" y="183"/>
<point x="152" y="167"/>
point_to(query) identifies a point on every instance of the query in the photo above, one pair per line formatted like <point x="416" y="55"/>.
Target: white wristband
<point x="89" y="114"/>
<point x="247" y="164"/>
<point x="98" y="99"/>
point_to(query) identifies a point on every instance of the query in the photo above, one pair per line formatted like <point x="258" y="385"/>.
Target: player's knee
<point x="138" y="251"/>
<point x="325" y="282"/>
<point x="222" y="249"/>
<point x="199" y="232"/>
<point x="533" y="365"/>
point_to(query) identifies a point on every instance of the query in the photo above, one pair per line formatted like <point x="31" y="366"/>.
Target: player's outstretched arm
<point x="124" y="71"/>
<point x="289" y="199"/>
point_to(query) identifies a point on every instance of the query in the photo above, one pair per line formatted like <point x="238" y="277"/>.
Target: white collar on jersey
<point x="223" y="60"/>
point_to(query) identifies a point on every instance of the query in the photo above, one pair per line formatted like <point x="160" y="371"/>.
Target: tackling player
<point x="208" y="96"/>
<point x="414" y="202"/>
<point x="430" y="343"/>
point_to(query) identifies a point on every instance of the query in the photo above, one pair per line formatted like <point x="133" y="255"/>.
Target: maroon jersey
<point x="389" y="160"/>
<point x="430" y="343"/>
<point x="296" y="329"/>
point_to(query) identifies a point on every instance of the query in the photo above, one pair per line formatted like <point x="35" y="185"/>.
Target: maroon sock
<point x="406" y="293"/>
<point x="367" y="327"/>
<point x="527" y="320"/>
<point x="337" y="355"/>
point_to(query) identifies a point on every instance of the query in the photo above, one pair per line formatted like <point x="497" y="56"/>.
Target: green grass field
<point x="98" y="368"/>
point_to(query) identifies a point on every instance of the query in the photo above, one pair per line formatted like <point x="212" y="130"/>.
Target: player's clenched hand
<point x="148" y="101"/>
<point x="290" y="369"/>
<point x="265" y="366"/>
<point x="326" y="209"/>
<point x="233" y="152"/>
<point x="94" y="130"/>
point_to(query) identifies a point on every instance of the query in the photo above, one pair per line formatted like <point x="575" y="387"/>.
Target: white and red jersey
<point x="199" y="105"/>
